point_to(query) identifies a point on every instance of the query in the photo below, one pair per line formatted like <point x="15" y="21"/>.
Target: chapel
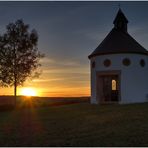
<point x="119" y="67"/>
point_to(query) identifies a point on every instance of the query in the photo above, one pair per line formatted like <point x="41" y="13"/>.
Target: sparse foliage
<point x="19" y="55"/>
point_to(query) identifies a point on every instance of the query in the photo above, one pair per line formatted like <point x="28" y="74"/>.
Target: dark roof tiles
<point x="118" y="42"/>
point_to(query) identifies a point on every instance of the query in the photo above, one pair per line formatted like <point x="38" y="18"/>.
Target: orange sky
<point x="71" y="81"/>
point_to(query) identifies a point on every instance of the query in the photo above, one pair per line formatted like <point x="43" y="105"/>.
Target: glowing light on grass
<point x="28" y="92"/>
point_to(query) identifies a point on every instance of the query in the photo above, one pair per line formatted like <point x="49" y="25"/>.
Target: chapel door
<point x="110" y="88"/>
<point x="106" y="88"/>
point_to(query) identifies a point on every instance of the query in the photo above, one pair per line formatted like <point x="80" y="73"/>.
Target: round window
<point x="126" y="62"/>
<point x="93" y="64"/>
<point x="142" y="63"/>
<point x="107" y="63"/>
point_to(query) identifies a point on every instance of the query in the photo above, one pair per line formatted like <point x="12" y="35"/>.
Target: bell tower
<point x="120" y="21"/>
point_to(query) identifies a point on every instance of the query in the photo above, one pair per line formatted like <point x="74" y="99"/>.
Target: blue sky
<point x="68" y="33"/>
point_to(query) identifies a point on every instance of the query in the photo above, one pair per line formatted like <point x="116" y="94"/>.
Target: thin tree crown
<point x="19" y="55"/>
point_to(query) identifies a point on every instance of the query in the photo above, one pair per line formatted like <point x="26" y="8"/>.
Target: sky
<point x="69" y="32"/>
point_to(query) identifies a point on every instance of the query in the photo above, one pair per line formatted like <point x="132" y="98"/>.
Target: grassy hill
<point x="79" y="124"/>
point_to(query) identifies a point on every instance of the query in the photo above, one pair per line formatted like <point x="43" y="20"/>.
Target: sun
<point x="28" y="92"/>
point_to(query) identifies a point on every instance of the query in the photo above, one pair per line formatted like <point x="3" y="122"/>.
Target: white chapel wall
<point x="134" y="78"/>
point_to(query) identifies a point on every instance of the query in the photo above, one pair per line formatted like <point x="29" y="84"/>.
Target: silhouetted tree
<point x="19" y="55"/>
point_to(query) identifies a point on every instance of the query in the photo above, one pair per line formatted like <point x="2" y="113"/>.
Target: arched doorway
<point x="108" y="86"/>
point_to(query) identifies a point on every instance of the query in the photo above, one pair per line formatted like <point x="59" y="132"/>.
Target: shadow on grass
<point x="7" y="108"/>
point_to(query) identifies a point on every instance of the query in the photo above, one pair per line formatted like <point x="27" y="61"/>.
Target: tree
<point x="19" y="55"/>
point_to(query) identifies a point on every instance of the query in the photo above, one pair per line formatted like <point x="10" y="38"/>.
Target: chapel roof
<point x="119" y="40"/>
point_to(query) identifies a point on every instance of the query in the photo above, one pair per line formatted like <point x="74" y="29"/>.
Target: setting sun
<point x="28" y="92"/>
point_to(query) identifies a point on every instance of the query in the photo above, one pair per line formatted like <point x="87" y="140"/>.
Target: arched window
<point x="114" y="85"/>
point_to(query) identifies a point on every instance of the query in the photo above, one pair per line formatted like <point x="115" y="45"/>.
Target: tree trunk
<point x="15" y="92"/>
<point x="15" y="78"/>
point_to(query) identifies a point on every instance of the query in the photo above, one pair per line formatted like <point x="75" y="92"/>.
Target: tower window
<point x="93" y="64"/>
<point x="107" y="63"/>
<point x="142" y="63"/>
<point x="114" y="85"/>
<point x="126" y="62"/>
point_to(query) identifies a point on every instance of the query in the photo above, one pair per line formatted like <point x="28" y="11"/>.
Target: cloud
<point x="139" y="34"/>
<point x="50" y="65"/>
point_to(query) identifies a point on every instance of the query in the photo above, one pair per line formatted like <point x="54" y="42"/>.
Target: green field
<point x="76" y="124"/>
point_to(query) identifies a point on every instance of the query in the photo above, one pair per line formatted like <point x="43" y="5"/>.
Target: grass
<point x="79" y="124"/>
